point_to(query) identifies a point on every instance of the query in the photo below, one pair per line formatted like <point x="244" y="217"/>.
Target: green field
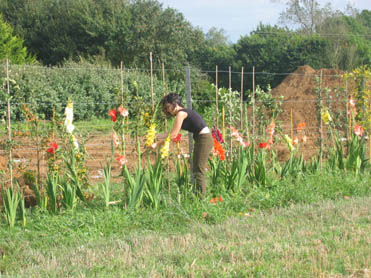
<point x="317" y="227"/>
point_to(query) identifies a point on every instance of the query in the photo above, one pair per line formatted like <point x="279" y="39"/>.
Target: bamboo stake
<point x="241" y="107"/>
<point x="223" y="118"/>
<point x="230" y="110"/>
<point x="291" y="125"/>
<point x="152" y="98"/>
<point x="216" y="98"/>
<point x="9" y="126"/>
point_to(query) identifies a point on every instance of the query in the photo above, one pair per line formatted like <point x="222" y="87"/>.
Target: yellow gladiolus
<point x="326" y="117"/>
<point x="165" y="148"/>
<point x="151" y="135"/>
<point x="288" y="141"/>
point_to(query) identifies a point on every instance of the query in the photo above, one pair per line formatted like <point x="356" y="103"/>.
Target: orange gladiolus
<point x="300" y="127"/>
<point x="218" y="149"/>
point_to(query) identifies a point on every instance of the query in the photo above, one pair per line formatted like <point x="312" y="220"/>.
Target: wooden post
<point x="152" y="98"/>
<point x="189" y="105"/>
<point x="10" y="162"/>
<point x="164" y="90"/>
<point x="216" y="98"/>
<point x="241" y="107"/>
<point x="122" y="83"/>
<point x="320" y="123"/>
<point x="230" y="110"/>
<point x="253" y="102"/>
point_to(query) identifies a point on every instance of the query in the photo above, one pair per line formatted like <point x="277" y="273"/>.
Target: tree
<point x="11" y="46"/>
<point x="278" y="50"/>
<point x="308" y="15"/>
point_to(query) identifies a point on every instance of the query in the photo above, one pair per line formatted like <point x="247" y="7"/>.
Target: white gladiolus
<point x="70" y="128"/>
<point x="69" y="117"/>
<point x="75" y="143"/>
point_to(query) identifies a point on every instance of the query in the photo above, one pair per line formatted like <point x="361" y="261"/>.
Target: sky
<point x="239" y="17"/>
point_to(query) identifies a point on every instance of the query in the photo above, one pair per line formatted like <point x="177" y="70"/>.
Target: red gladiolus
<point x="178" y="138"/>
<point x="358" y="130"/>
<point x="263" y="145"/>
<point x="53" y="148"/>
<point x="113" y="114"/>
<point x="213" y="200"/>
<point x="217" y="135"/>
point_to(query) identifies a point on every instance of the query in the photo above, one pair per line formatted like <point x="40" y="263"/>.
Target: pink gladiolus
<point x="295" y="141"/>
<point x="115" y="139"/>
<point x="121" y="160"/>
<point x="123" y="112"/>
<point x="358" y="130"/>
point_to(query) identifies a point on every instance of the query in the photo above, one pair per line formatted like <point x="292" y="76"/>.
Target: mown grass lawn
<point x="301" y="231"/>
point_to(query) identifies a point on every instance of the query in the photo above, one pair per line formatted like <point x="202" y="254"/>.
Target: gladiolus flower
<point x="295" y="141"/>
<point x="53" y="148"/>
<point x="358" y="130"/>
<point x="218" y="149"/>
<point x="213" y="200"/>
<point x="165" y="148"/>
<point x="70" y="128"/>
<point x="263" y="145"/>
<point x="326" y="117"/>
<point x="300" y="127"/>
<point x="288" y="142"/>
<point x="113" y="114"/>
<point x="68" y="112"/>
<point x="151" y="135"/>
<point x="217" y="135"/>
<point x="352" y="111"/>
<point x="270" y="129"/>
<point x="115" y="139"/>
<point x="123" y="112"/>
<point x="75" y="143"/>
<point x="121" y="160"/>
<point x="216" y="199"/>
<point x="178" y="138"/>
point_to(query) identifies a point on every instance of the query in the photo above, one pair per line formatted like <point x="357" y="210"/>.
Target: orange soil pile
<point x="300" y="90"/>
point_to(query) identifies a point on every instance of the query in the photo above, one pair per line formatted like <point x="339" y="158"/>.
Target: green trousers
<point x="202" y="148"/>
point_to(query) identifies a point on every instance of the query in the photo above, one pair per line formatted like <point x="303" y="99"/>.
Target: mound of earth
<point x="302" y="91"/>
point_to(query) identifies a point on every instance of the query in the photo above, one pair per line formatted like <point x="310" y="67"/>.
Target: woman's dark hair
<point x="172" y="99"/>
